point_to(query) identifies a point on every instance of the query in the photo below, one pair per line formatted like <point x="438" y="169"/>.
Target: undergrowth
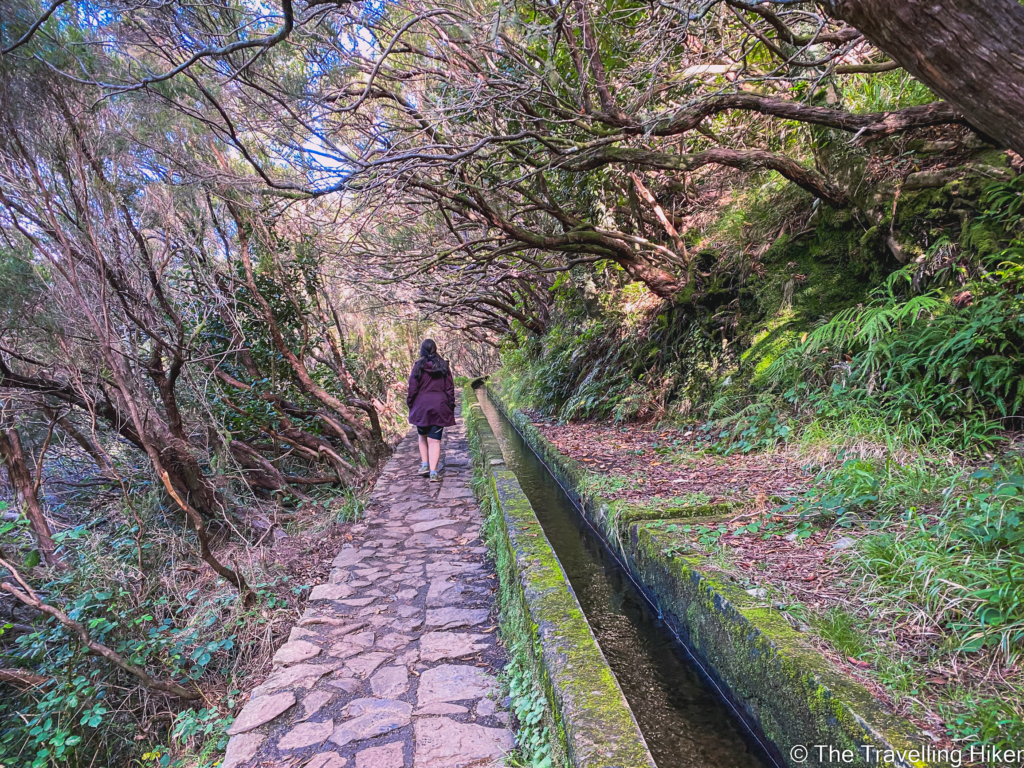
<point x="178" y="621"/>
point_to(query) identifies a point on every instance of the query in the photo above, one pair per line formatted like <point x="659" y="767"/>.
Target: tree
<point x="25" y="481"/>
<point x="967" y="51"/>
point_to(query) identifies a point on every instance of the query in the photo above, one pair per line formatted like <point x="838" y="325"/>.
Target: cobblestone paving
<point x="393" y="664"/>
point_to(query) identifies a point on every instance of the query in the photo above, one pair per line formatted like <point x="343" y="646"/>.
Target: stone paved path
<point x="393" y="663"/>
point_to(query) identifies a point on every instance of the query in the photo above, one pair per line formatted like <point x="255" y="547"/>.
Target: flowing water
<point x="683" y="718"/>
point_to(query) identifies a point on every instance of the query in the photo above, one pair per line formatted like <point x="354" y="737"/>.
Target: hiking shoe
<point x="424" y="469"/>
<point x="434" y="477"/>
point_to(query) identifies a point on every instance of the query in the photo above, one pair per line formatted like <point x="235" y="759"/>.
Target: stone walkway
<point x="393" y="664"/>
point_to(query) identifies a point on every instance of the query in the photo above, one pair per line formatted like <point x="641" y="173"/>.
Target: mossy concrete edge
<point x="785" y="687"/>
<point x="591" y="712"/>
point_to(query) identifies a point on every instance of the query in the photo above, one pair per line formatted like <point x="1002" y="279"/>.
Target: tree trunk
<point x="25" y="492"/>
<point x="184" y="470"/>
<point x="967" y="51"/>
<point x="165" y="385"/>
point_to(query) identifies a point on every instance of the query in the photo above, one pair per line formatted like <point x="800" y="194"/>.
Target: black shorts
<point x="431" y="432"/>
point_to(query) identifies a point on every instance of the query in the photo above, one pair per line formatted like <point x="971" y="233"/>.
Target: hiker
<point x="431" y="402"/>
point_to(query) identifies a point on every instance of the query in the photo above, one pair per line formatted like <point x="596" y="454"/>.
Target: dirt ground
<point x="667" y="463"/>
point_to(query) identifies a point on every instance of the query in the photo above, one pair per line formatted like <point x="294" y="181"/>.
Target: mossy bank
<point x="760" y="662"/>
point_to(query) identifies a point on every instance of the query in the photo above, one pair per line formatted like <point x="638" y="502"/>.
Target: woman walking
<point x="431" y="402"/>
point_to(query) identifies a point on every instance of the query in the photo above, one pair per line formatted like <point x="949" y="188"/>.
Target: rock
<point x="409" y="658"/>
<point x="347" y="684"/>
<point x="298" y="633"/>
<point x="428" y="525"/>
<point x="338" y="626"/>
<point x="300" y="675"/>
<point x="362" y="666"/>
<point x="930" y="179"/>
<point x="330" y="591"/>
<point x="407" y="625"/>
<point x="444" y="743"/>
<point x="440" y="708"/>
<point x="931" y="147"/>
<point x="314" y="702"/>
<point x="447" y="533"/>
<point x="241" y="749"/>
<point x="450" y="618"/>
<point x="373" y="717"/>
<point x="431" y="513"/>
<point x="260" y="711"/>
<point x="445" y="568"/>
<point x="453" y="682"/>
<point x="407" y="611"/>
<point x="454" y="492"/>
<point x="422" y="540"/>
<point x="345" y="650"/>
<point x="404" y="506"/>
<point x="406" y="594"/>
<point x="443" y="592"/>
<point x="295" y="651"/>
<point x="326" y="760"/>
<point x="388" y="756"/>
<point x="390" y="682"/>
<point x="358" y="602"/>
<point x="348" y="628"/>
<point x="435" y="646"/>
<point x="362" y="639"/>
<point x="394" y="641"/>
<point x="306" y="735"/>
<point x="844" y="543"/>
<point x="350" y="556"/>
<point x="485" y="707"/>
<point x="757" y="592"/>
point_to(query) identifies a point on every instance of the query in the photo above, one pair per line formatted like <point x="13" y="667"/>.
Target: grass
<point x="933" y="611"/>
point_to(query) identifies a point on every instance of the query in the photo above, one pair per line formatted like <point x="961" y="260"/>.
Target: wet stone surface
<point x="394" y="663"/>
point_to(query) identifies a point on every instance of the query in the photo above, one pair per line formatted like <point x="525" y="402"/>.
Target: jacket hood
<point x="429" y="368"/>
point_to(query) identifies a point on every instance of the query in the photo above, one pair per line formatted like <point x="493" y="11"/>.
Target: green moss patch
<point x="589" y="723"/>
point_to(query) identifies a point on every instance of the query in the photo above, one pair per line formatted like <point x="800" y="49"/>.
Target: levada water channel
<point x="685" y="721"/>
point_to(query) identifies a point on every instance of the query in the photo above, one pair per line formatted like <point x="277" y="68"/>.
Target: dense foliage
<point x="226" y="226"/>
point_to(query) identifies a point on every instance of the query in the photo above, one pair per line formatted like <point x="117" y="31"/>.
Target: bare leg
<point x="435" y="453"/>
<point x="423" y="449"/>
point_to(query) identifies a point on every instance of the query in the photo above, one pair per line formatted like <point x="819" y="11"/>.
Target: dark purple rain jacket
<point x="431" y="399"/>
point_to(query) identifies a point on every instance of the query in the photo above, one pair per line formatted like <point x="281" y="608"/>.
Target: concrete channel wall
<point x="593" y="722"/>
<point x="814" y="715"/>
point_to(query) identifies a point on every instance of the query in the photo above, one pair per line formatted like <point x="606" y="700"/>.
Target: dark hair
<point x="428" y="353"/>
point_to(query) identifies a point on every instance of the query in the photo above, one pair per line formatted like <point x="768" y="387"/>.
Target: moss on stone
<point x="594" y="725"/>
<point x="792" y="691"/>
<point x="767" y="668"/>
